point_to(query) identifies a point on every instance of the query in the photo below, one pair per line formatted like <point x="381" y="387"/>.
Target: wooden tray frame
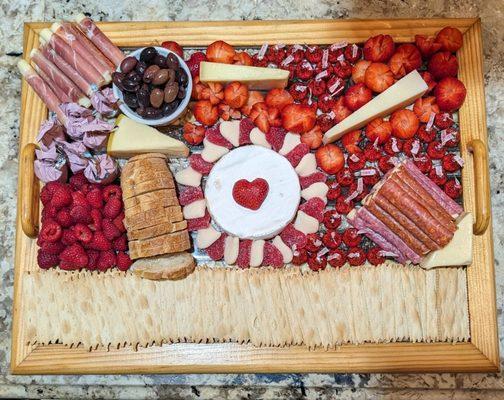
<point x="480" y="354"/>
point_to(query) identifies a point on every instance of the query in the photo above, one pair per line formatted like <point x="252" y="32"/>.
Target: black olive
<point x="172" y="61"/>
<point x="118" y="78"/>
<point x="160" y="61"/>
<point x="143" y="95"/>
<point x="141" y="67"/>
<point x="128" y="64"/>
<point x="152" y="113"/>
<point x="182" y="77"/>
<point x="140" y="111"/>
<point x="129" y="85"/>
<point x="130" y="99"/>
<point x="148" y="54"/>
<point x="168" y="108"/>
<point x="134" y="77"/>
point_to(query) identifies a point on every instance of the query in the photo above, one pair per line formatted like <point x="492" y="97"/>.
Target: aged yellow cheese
<point x="256" y="78"/>
<point x="458" y="251"/>
<point x="131" y="138"/>
<point x="402" y="93"/>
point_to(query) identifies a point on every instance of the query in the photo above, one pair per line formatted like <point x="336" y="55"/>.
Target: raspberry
<point x="78" y="180"/>
<point x="64" y="218"/>
<point x="62" y="197"/>
<point x="342" y="206"/>
<point x="374" y="256"/>
<point x="332" y="219"/>
<point x="82" y="233"/>
<point x="372" y="153"/>
<point x="106" y="260"/>
<point x="246" y="125"/>
<point x="79" y="199"/>
<point x="384" y="164"/>
<point x="275" y="137"/>
<point x="45" y="196"/>
<point x="317" y="263"/>
<point x="49" y="213"/>
<point x="334" y="190"/>
<point x="200" y="165"/>
<point x="438" y="177"/>
<point x="424" y="135"/>
<point x="435" y="150"/>
<point x="313" y="242"/>
<point x="189" y="194"/>
<point x="112" y="208"/>
<point x="68" y="237"/>
<point x="272" y="256"/>
<point x="314" y="208"/>
<point x="119" y="222"/>
<point x="214" y="136"/>
<point x="243" y="259"/>
<point x="336" y="258"/>
<point x="110" y="191"/>
<point x="51" y="232"/>
<point x="356" y="256"/>
<point x="93" y="256"/>
<point x="110" y="231"/>
<point x="297" y="153"/>
<point x="331" y="239"/>
<point x="392" y="146"/>
<point x="52" y="247"/>
<point x="453" y="188"/>
<point x="292" y="237"/>
<point x="345" y="177"/>
<point x="120" y="243"/>
<point x="356" y="163"/>
<point x="196" y="224"/>
<point x="351" y="238"/>
<point x="123" y="261"/>
<point x="100" y="242"/>
<point x="423" y="163"/>
<point x="309" y="180"/>
<point x="80" y="214"/>
<point x="216" y="250"/>
<point x="299" y="257"/>
<point x="95" y="198"/>
<point x="47" y="260"/>
<point x="73" y="257"/>
<point x="96" y="220"/>
<point x="443" y="120"/>
<point x="449" y="163"/>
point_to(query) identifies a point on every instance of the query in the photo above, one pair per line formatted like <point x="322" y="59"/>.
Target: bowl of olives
<point x="153" y="85"/>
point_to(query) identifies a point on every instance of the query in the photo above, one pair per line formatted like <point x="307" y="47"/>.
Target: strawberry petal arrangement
<point x="301" y="155"/>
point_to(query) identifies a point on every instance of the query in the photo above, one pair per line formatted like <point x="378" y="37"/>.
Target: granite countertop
<point x="419" y="386"/>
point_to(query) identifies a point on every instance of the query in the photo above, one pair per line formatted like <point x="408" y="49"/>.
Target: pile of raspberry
<point x="82" y="226"/>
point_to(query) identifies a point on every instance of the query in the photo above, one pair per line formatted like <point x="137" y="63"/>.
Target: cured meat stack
<point x="153" y="216"/>
<point x="407" y="214"/>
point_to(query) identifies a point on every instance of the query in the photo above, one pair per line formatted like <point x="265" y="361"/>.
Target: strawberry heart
<point x="250" y="194"/>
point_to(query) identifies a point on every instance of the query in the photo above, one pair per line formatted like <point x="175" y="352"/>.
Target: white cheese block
<point x="131" y="138"/>
<point x="206" y="237"/>
<point x="231" y="248"/>
<point x="256" y="253"/>
<point x="307" y="165"/>
<point x="458" y="251"/>
<point x="212" y="152"/>
<point x="283" y="248"/>
<point x="196" y="209"/>
<point x="317" y="189"/>
<point x="402" y="93"/>
<point x="188" y="177"/>
<point x="278" y="208"/>
<point x="230" y="130"/>
<point x="256" y="78"/>
<point x="306" y="223"/>
<point x="291" y="140"/>
<point x="258" y="138"/>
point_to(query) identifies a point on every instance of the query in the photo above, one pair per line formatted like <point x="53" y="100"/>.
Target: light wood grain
<point x="30" y="188"/>
<point x="482" y="354"/>
<point x="481" y="186"/>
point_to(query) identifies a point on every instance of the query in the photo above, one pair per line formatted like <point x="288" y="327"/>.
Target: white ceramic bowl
<point x="169" y="118"/>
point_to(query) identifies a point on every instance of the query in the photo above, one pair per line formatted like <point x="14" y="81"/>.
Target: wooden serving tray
<point x="481" y="353"/>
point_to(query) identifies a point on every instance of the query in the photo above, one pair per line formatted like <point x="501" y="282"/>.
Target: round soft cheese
<point x="278" y="208"/>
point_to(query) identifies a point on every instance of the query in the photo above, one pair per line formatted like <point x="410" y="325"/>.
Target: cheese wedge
<point x="256" y="78"/>
<point x="458" y="251"/>
<point x="131" y="138"/>
<point x="402" y="93"/>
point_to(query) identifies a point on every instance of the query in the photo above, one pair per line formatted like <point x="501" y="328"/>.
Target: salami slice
<point x="417" y="213"/>
<point x="447" y="203"/>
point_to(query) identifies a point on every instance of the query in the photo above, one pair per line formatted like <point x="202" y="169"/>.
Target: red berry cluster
<point x="82" y="226"/>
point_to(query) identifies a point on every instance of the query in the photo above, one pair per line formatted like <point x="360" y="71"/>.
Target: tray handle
<point x="30" y="188"/>
<point x="481" y="185"/>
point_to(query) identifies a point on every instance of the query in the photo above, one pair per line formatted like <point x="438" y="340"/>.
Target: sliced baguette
<point x="154" y="216"/>
<point x="147" y="156"/>
<point x="162" y="198"/>
<point x="147" y="186"/>
<point x="164" y="244"/>
<point x="156" y="230"/>
<point x="172" y="267"/>
<point x="148" y="205"/>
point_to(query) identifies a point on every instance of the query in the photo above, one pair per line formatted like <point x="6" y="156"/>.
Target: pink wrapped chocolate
<point x="50" y="130"/>
<point x="105" y="102"/>
<point x="77" y="155"/>
<point x="95" y="140"/>
<point x="81" y="121"/>
<point x="101" y="169"/>
<point x="50" y="165"/>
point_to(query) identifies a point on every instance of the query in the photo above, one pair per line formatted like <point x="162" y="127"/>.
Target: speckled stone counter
<point x="312" y="386"/>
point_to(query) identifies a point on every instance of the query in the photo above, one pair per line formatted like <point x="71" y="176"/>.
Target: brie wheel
<point x="280" y="205"/>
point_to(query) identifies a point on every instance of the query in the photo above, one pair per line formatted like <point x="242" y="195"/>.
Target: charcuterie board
<point x="479" y="353"/>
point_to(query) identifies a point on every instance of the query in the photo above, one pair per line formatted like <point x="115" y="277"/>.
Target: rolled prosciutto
<point x="109" y="49"/>
<point x="42" y="89"/>
<point x="60" y="94"/>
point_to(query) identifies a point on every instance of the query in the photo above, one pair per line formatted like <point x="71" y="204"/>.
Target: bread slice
<point x="172" y="267"/>
<point x="164" y="244"/>
<point x="147" y="156"/>
<point x="150" y="164"/>
<point x="143" y="202"/>
<point x="156" y="230"/>
<point x="154" y="216"/>
<point x="147" y="186"/>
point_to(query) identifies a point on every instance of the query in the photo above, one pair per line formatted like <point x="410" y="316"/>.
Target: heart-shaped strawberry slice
<point x="250" y="194"/>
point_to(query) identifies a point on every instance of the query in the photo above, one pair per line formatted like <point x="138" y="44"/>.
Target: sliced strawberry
<point x="242" y="58"/>
<point x="450" y="39"/>
<point x="213" y="92"/>
<point x="298" y="118"/>
<point x="357" y="95"/>
<point x="193" y="134"/>
<point x="351" y="141"/>
<point x="359" y="70"/>
<point x="194" y="62"/>
<point x="424" y="107"/>
<point x="220" y="52"/>
<point x="378" y="77"/>
<point x="429" y="80"/>
<point x="406" y="58"/>
<point x="340" y="110"/>
<point x="297" y="153"/>
<point x="253" y="98"/>
<point x="275" y="137"/>
<point x="379" y="129"/>
<point x="265" y="117"/>
<point x="198" y="164"/>
<point x="216" y="250"/>
<point x="173" y="46"/>
<point x="379" y="48"/>
<point x="205" y="113"/>
<point x="443" y="64"/>
<point x="427" y="45"/>
<point x="214" y="136"/>
<point x="309" y="180"/>
<point x="312" y="138"/>
<point x="278" y="98"/>
<point x="236" y="94"/>
<point x="450" y="94"/>
<point x="330" y="158"/>
<point x="404" y="124"/>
